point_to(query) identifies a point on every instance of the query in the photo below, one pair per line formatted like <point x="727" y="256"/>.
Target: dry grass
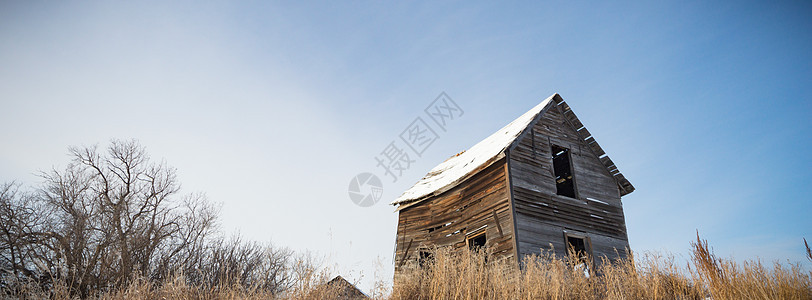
<point x="469" y="276"/>
<point x="466" y="275"/>
<point x="310" y="284"/>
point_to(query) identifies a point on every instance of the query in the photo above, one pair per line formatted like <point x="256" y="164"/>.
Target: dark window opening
<point x="564" y="183"/>
<point x="439" y="227"/>
<point x="425" y="258"/>
<point x="477" y="241"/>
<point x="577" y="245"/>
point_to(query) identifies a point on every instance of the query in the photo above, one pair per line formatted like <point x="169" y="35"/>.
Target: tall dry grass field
<point x="467" y="275"/>
<point x="476" y="275"/>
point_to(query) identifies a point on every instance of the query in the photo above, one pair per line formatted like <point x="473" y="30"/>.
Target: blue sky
<point x="270" y="108"/>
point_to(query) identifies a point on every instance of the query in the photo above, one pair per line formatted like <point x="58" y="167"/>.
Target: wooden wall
<point x="467" y="207"/>
<point x="542" y="217"/>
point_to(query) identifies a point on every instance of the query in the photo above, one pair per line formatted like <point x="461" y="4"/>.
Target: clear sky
<point x="270" y="108"/>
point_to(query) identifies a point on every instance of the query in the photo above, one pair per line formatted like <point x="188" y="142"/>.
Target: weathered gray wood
<point x="575" y="122"/>
<point x="608" y="163"/>
<point x="541" y="215"/>
<point x="557" y="98"/>
<point x="564" y="107"/>
<point x="584" y="133"/>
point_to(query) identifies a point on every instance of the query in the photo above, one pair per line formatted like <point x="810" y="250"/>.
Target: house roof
<point x="345" y="289"/>
<point x="460" y="167"/>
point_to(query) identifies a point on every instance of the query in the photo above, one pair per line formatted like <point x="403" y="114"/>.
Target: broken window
<point x="578" y="245"/>
<point x="477" y="241"/>
<point x="564" y="182"/>
<point x="425" y="258"/>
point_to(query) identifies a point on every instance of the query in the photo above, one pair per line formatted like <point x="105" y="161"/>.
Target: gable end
<point x="623" y="184"/>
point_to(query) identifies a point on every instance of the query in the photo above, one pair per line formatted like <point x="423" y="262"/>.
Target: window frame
<point x="469" y="239"/>
<point x="571" y="169"/>
<point x="584" y="237"/>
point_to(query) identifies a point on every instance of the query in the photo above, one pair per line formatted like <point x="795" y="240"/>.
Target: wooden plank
<point x="498" y="224"/>
<point x="564" y="107"/>
<point x="608" y="227"/>
<point x="584" y="133"/>
<point x="608" y="162"/>
<point x="512" y="202"/>
<point x="406" y="253"/>
<point x="575" y="210"/>
<point x="570" y="116"/>
<point x="596" y="149"/>
<point x="576" y="123"/>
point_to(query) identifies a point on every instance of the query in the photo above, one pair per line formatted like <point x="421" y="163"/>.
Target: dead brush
<point x="727" y="279"/>
<point x="475" y="275"/>
<point x="461" y="274"/>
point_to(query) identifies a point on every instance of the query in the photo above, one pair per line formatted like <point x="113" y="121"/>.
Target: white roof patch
<point x="457" y="169"/>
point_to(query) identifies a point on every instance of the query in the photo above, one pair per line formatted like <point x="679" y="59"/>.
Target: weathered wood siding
<point x="542" y="217"/>
<point x="467" y="207"/>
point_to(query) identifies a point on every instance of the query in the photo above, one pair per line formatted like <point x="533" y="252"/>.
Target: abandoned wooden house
<point x="541" y="180"/>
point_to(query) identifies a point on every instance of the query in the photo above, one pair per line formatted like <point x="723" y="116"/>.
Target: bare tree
<point x="21" y="221"/>
<point x="186" y="248"/>
<point x="108" y="215"/>
<point x="113" y="215"/>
